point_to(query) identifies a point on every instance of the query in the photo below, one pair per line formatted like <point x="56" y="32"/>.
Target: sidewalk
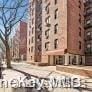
<point x="41" y="72"/>
<point x="9" y="74"/>
<point x="46" y="71"/>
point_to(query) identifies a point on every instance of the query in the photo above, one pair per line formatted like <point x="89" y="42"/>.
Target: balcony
<point x="88" y="25"/>
<point x="88" y="13"/>
<point x="88" y="38"/>
<point x="87" y="3"/>
<point x="88" y="52"/>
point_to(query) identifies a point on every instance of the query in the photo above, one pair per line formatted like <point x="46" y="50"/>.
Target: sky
<point x="12" y="3"/>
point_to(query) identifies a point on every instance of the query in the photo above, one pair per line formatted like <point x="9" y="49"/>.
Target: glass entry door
<point x="58" y="60"/>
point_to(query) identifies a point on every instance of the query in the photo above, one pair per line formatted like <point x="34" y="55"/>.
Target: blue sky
<point x="12" y="3"/>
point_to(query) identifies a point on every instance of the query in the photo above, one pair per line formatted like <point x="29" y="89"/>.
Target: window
<point x="32" y="49"/>
<point x="88" y="21"/>
<point x="79" y="31"/>
<point x="56" y="43"/>
<point x="47" y="20"/>
<point x="55" y="1"/>
<point x="32" y="20"/>
<point x="32" y="39"/>
<point x="56" y="13"/>
<point x="39" y="27"/>
<point x="32" y="30"/>
<point x="31" y="57"/>
<point x="89" y="35"/>
<point x="80" y="45"/>
<point x="39" y="38"/>
<point x="29" y="41"/>
<point x="80" y="4"/>
<point x="79" y="18"/>
<point x="88" y="46"/>
<point x="47" y="34"/>
<point x="47" y="46"/>
<point x="47" y="8"/>
<point x="55" y="28"/>
<point x="29" y="50"/>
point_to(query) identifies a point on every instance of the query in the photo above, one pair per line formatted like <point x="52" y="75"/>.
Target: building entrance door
<point x="58" y="60"/>
<point x="74" y="60"/>
<point x="80" y="60"/>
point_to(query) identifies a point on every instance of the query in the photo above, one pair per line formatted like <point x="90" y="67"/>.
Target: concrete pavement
<point x="41" y="72"/>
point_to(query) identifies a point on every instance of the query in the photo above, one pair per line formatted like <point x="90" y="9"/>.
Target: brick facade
<point x="69" y="48"/>
<point x="20" y="41"/>
<point x="61" y="32"/>
<point x="34" y="33"/>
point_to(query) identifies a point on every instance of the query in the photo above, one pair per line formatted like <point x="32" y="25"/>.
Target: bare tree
<point x="2" y="47"/>
<point x="11" y="12"/>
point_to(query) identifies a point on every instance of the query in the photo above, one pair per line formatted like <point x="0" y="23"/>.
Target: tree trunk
<point x="8" y="56"/>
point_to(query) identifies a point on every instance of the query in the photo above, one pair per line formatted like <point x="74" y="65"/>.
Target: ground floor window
<point x="74" y="60"/>
<point x="80" y="60"/>
<point x="58" y="60"/>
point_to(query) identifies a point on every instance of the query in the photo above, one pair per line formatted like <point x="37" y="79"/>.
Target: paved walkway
<point x="41" y="72"/>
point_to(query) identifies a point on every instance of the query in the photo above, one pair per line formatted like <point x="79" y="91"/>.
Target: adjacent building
<point x="34" y="33"/>
<point x="20" y="42"/>
<point x="88" y="31"/>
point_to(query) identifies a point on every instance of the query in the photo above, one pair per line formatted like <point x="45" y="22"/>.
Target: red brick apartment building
<point x="34" y="33"/>
<point x="61" y="32"/>
<point x="20" y="42"/>
<point x="88" y="32"/>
